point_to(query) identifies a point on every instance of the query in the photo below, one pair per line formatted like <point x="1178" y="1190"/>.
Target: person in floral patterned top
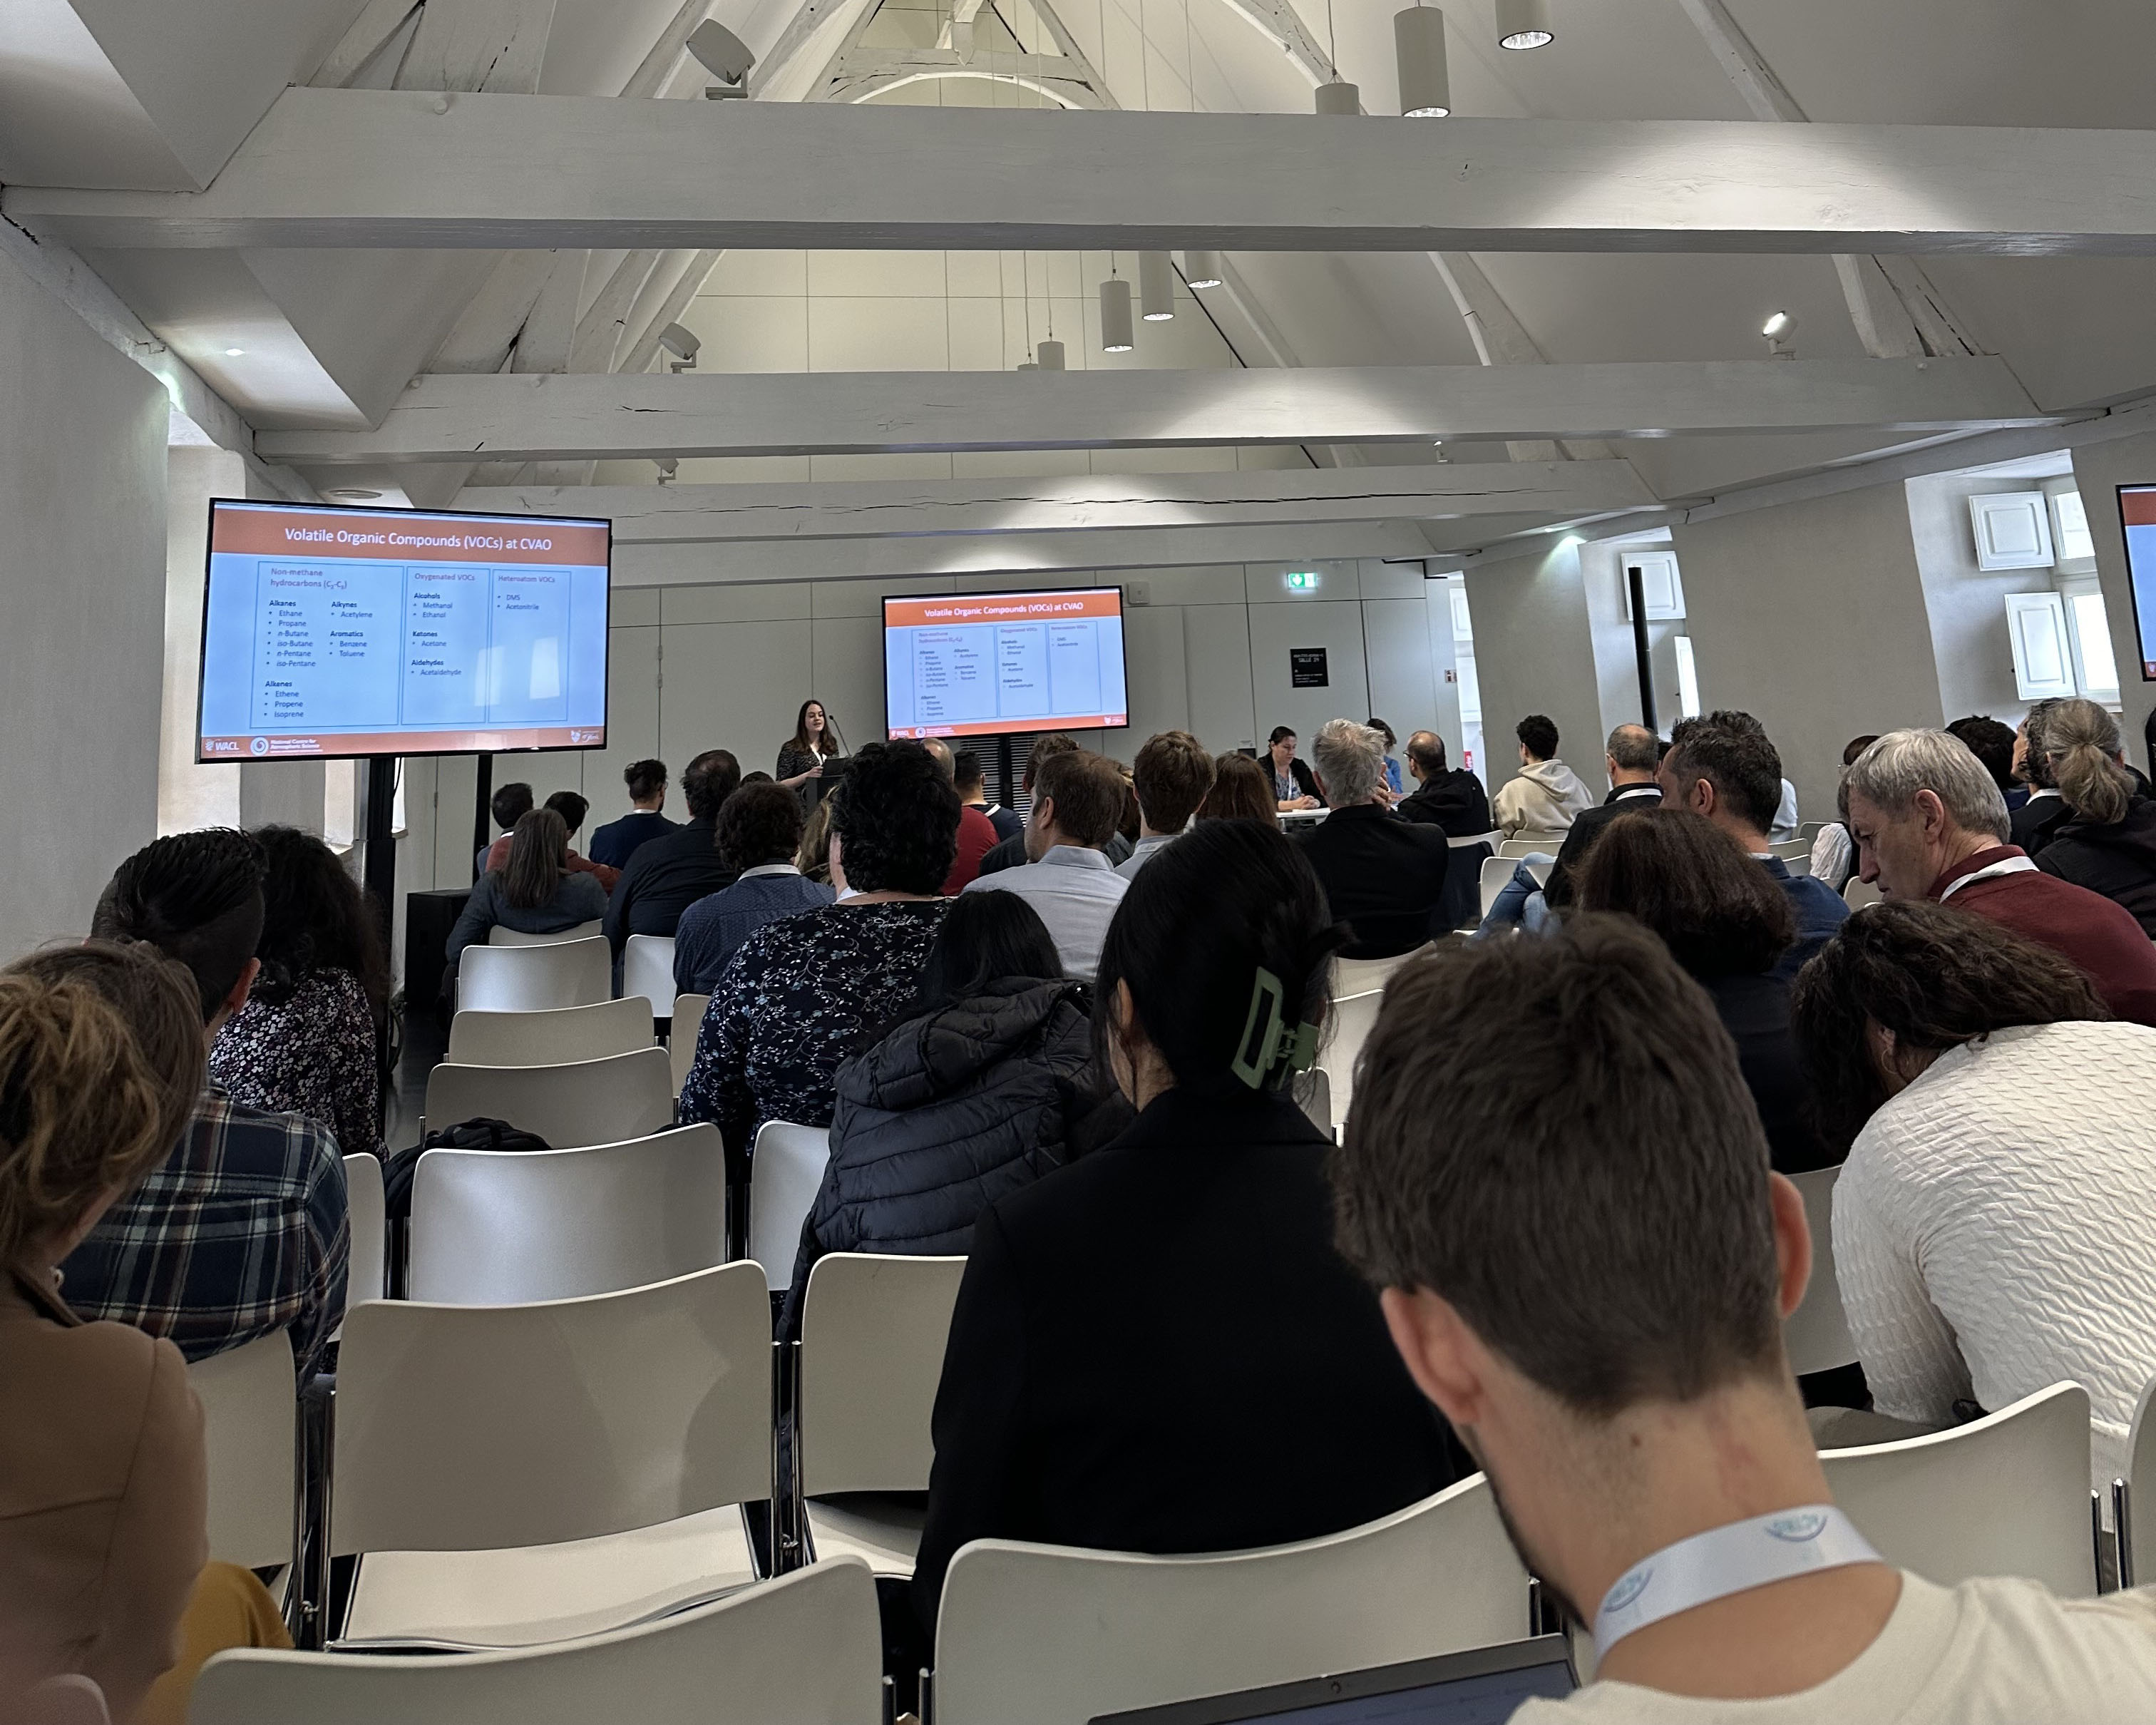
<point x="804" y="992"/>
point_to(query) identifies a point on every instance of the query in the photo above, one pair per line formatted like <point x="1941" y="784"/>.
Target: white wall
<point x="1968" y="605"/>
<point x="190" y="794"/>
<point x="82" y="611"/>
<point x="1535" y="653"/>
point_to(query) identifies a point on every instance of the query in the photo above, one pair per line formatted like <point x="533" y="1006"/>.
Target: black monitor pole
<point x="482" y="810"/>
<point x="1636" y="583"/>
<point x="380" y="853"/>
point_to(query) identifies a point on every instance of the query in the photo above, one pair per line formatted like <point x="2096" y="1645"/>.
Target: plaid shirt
<point x="242" y="1231"/>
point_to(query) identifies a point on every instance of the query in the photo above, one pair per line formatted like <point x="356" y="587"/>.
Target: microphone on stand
<point x="831" y="720"/>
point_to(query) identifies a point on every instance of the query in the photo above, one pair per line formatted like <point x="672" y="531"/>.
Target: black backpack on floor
<point x="477" y="1134"/>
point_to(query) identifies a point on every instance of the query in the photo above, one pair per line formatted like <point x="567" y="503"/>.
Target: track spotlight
<point x="1524" y="24"/>
<point x="1202" y="269"/>
<point x="682" y="345"/>
<point x="1780" y="330"/>
<point x="1338" y="97"/>
<point x="1156" y="287"/>
<point x="1115" y="336"/>
<point x="1419" y="50"/>
<point x="724" y="55"/>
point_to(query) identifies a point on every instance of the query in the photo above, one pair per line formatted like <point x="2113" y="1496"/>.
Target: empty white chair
<point x="784" y="1172"/>
<point x="578" y="1102"/>
<point x="1860" y="893"/>
<point x="1792" y="851"/>
<point x="1497" y="870"/>
<point x="523" y="1474"/>
<point x="1526" y="844"/>
<point x="2136" y="1494"/>
<point x="577" y="973"/>
<point x="548" y="1039"/>
<point x="2006" y="1494"/>
<point x="1816" y="1336"/>
<point x="250" y="1410"/>
<point x="871" y="1354"/>
<point x="368" y="1275"/>
<point x="647" y="972"/>
<point x="1352" y="1018"/>
<point x="489" y="1229"/>
<point x="500" y="934"/>
<point x="681" y="1042"/>
<point x="1041" y="1634"/>
<point x="805" y="1649"/>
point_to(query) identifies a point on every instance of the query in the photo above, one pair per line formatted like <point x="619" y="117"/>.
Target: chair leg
<point x="2122" y="1531"/>
<point x="307" y="1601"/>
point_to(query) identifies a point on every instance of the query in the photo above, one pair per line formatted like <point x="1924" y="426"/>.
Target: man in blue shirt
<point x="1723" y="765"/>
<point x="759" y="833"/>
<point x="616" y="842"/>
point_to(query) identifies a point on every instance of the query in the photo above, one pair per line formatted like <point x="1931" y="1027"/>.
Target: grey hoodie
<point x="1543" y="799"/>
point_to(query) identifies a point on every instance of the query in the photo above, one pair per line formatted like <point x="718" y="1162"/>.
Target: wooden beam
<point x="398" y="168"/>
<point x="583" y="418"/>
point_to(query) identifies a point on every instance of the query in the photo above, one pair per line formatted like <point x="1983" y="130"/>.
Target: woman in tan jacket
<point x="102" y="1487"/>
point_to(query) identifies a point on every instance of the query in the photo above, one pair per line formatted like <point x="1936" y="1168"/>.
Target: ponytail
<point x="2080" y="749"/>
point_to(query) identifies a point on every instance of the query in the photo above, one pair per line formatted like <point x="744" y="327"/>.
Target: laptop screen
<point x="1479" y="1687"/>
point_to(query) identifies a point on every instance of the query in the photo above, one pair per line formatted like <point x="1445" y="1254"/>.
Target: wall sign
<point x="1306" y="667"/>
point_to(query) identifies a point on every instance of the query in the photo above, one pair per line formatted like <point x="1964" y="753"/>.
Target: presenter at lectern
<point x="801" y="758"/>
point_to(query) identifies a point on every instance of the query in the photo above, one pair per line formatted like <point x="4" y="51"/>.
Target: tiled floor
<point x="425" y="1038"/>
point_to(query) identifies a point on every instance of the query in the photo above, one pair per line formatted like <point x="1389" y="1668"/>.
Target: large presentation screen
<point x="331" y="631"/>
<point x="2137" y="514"/>
<point x="973" y="664"/>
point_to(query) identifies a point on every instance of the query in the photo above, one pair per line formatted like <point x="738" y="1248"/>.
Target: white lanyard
<point x="1728" y="1560"/>
<point x="2004" y="866"/>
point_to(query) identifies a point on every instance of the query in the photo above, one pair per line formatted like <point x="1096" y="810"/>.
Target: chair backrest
<point x="805" y="1649"/>
<point x="249" y="1398"/>
<point x="495" y="1230"/>
<point x="1860" y="893"/>
<point x="2140" y="1548"/>
<point x="570" y="1105"/>
<point x="1792" y="851"/>
<point x="1465" y="841"/>
<point x="500" y="934"/>
<point x="872" y="1335"/>
<point x="1312" y="1091"/>
<point x="647" y="972"/>
<point x="567" y="972"/>
<point x="1526" y="843"/>
<point x="69" y="1699"/>
<point x="1816" y="1336"/>
<point x="1040" y="1634"/>
<point x="1354" y="1017"/>
<point x="367" y="1206"/>
<point x="785" y="1169"/>
<point x="1497" y="870"/>
<point x="2006" y="1494"/>
<point x="549" y="1038"/>
<point x="681" y="1041"/>
<point x="1360" y="976"/>
<point x="469" y="1427"/>
<point x="1808" y="830"/>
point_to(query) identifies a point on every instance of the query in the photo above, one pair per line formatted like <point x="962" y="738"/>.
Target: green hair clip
<point x="1269" y="1051"/>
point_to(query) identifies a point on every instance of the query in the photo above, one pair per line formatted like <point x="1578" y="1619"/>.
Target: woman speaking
<point x="801" y="759"/>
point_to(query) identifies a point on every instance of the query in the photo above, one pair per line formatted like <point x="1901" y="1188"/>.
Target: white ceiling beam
<point x="470" y="45"/>
<point x="893" y="509"/>
<point x="583" y="418"/>
<point x="389" y="168"/>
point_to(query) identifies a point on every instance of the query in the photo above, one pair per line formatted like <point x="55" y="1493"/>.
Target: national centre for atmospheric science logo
<point x="1798" y="1526"/>
<point x="259" y="746"/>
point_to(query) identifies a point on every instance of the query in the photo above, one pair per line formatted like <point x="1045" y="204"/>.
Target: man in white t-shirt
<point x="1587" y="1275"/>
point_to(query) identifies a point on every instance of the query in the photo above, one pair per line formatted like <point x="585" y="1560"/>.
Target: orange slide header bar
<point x="951" y="609"/>
<point x="396" y="536"/>
<point x="2138" y="507"/>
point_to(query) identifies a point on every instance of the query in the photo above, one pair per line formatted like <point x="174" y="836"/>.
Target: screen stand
<point x="482" y="798"/>
<point x="380" y="855"/>
<point x="1641" y="650"/>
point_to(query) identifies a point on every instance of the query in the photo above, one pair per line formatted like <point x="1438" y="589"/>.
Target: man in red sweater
<point x="976" y="833"/>
<point x="1929" y="823"/>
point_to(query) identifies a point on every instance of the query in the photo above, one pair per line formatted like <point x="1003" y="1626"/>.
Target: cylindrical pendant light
<point x="1524" y="23"/>
<point x="1202" y="269"/>
<point x="1028" y="365"/>
<point x="1048" y="356"/>
<point x="1115" y="336"/>
<point x="1338" y="97"/>
<point x="1156" y="287"/>
<point x="1419" y="48"/>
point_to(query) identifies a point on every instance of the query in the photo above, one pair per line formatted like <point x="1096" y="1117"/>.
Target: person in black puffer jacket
<point x="984" y="1084"/>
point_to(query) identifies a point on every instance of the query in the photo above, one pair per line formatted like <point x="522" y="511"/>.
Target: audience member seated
<point x="1077" y="798"/>
<point x="534" y="893"/>
<point x="1391" y="767"/>
<point x="1728" y="926"/>
<point x="759" y="833"/>
<point x="1546" y="794"/>
<point x="1833" y="852"/>
<point x="1293" y="784"/>
<point x="1995" y="1226"/>
<point x="241" y="1230"/>
<point x="814" y="859"/>
<point x="617" y="841"/>
<point x="1723" y="766"/>
<point x="1172" y="776"/>
<point x="306" y="1040"/>
<point x="669" y="874"/>
<point x="1385" y="878"/>
<point x="984" y="1083"/>
<point x="1783" y="827"/>
<point x="1627" y="1394"/>
<point x="1010" y="852"/>
<point x="801" y="993"/>
<point x="1131" y="824"/>
<point x="973" y="786"/>
<point x="1242" y="790"/>
<point x="2043" y="812"/>
<point x="510" y="804"/>
<point x="1157" y="1348"/>
<point x="801" y="758"/>
<point x="103" y="1538"/>
<point x="1929" y="823"/>
<point x="2108" y="843"/>
<point x="1629" y="757"/>
<point x="1996" y="745"/>
<point x="1453" y="802"/>
<point x="976" y="833"/>
<point x="573" y="808"/>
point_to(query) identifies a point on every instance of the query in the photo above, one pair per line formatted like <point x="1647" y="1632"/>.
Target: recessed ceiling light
<point x="357" y="494"/>
<point x="233" y="352"/>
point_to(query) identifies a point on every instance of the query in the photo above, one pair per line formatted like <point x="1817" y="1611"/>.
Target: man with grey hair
<point x="1384" y="877"/>
<point x="1929" y="823"/>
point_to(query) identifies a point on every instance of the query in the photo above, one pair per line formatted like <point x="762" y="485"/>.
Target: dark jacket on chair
<point x="1384" y="877"/>
<point x="1159" y="1349"/>
<point x="1453" y="801"/>
<point x="2117" y="860"/>
<point x="1755" y="1011"/>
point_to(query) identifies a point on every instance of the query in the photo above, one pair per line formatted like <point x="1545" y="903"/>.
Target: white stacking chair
<point x="2135" y="1557"/>
<point x="1528" y="844"/>
<point x="1809" y="830"/>
<point x="869" y="1359"/>
<point x="805" y="1649"/>
<point x="1793" y="851"/>
<point x="1354" y="1017"/>
<point x="1360" y="976"/>
<point x="647" y="972"/>
<point x="681" y="1041"/>
<point x="1817" y="1336"/>
<point x="500" y="934"/>
<point x="2006" y="1495"/>
<point x="785" y="1169"/>
<point x="489" y="1229"/>
<point x="549" y="1038"/>
<point x="1860" y="893"/>
<point x="1493" y="839"/>
<point x="570" y="1105"/>
<point x="1042" y="1634"/>
<point x="1312" y="1091"/>
<point x="249" y="1398"/>
<point x="517" y="1475"/>
<point x="568" y="973"/>
<point x="1497" y="870"/>
<point x="367" y="1278"/>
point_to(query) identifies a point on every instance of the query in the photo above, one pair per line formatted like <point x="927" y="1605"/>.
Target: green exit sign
<point x="1302" y="581"/>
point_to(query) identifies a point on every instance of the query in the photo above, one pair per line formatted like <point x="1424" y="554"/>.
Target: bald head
<point x="940" y="752"/>
<point x="1633" y="752"/>
<point x="1425" y="754"/>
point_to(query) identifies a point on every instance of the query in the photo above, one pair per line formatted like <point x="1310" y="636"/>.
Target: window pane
<point x="2099" y="668"/>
